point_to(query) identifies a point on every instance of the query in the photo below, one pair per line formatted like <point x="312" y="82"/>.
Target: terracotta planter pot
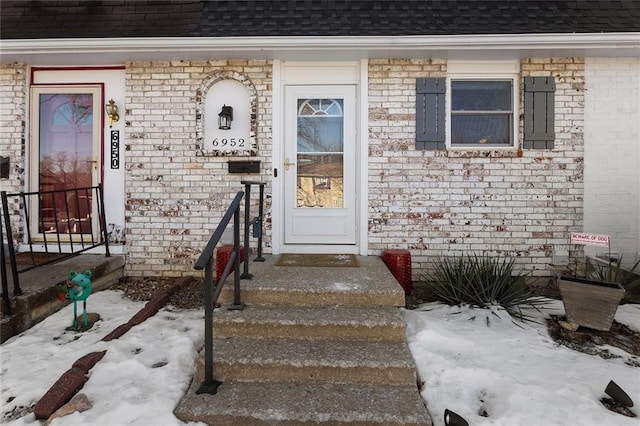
<point x="62" y="296"/>
<point x="590" y="303"/>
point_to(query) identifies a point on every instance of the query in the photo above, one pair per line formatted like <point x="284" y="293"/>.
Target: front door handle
<point x="287" y="163"/>
<point x="94" y="162"/>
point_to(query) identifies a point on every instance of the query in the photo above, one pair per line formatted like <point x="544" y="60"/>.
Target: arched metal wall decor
<point x="203" y="116"/>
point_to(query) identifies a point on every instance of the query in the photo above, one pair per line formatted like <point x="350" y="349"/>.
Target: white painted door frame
<point x="114" y="86"/>
<point x="312" y="73"/>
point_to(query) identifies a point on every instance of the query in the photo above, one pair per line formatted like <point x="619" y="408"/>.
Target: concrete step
<point x="310" y="361"/>
<point x="314" y="345"/>
<point x="310" y="322"/>
<point x="340" y="294"/>
<point x="371" y="284"/>
<point x="251" y="404"/>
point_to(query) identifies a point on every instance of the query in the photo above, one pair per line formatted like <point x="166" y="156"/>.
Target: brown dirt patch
<point x="143" y="289"/>
<point x="591" y="341"/>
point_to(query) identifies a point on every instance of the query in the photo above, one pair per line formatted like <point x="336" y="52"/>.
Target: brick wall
<point x="13" y="94"/>
<point x="175" y="198"/>
<point x="433" y="203"/>
<point x="451" y="203"/>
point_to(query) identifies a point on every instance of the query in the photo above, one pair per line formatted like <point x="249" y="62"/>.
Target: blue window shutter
<point x="539" y="113"/>
<point x="430" y="113"/>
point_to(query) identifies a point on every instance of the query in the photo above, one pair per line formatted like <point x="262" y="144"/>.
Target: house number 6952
<point x="232" y="142"/>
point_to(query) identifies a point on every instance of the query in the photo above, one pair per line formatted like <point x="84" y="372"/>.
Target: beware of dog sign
<point x="597" y="240"/>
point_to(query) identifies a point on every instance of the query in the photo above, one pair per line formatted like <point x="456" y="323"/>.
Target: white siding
<point x="612" y="152"/>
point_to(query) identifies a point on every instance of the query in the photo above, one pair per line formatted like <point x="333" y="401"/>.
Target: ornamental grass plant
<point x="613" y="273"/>
<point x="483" y="281"/>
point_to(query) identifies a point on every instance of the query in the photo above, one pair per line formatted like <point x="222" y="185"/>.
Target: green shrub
<point x="482" y="281"/>
<point x="613" y="273"/>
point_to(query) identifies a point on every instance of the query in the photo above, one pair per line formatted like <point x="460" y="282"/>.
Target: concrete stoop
<point x="314" y="345"/>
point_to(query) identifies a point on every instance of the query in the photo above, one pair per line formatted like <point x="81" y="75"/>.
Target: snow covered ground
<point x="475" y="361"/>
<point x="139" y="381"/>
<point x="472" y="361"/>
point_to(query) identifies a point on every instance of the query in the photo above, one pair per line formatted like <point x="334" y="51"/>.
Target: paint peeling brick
<point x="492" y="184"/>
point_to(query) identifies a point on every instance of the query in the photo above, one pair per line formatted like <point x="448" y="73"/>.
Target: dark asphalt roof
<point x="218" y="18"/>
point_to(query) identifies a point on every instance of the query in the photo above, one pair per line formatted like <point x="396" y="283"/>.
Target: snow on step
<point x="312" y="361"/>
<point x="250" y="404"/>
<point x="331" y="323"/>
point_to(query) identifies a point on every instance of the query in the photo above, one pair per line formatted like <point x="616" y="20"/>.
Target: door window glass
<point x="320" y="153"/>
<point x="65" y="146"/>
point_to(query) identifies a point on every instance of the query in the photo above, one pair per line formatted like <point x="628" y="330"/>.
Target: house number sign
<point x="235" y="143"/>
<point x="115" y="149"/>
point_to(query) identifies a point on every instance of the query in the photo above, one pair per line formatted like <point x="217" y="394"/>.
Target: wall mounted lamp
<point x="225" y="118"/>
<point x="112" y="112"/>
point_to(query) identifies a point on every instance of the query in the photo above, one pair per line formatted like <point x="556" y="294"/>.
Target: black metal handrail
<point x="64" y="227"/>
<point x="205" y="261"/>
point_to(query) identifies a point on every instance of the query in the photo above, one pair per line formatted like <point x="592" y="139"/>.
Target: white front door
<point x="320" y="165"/>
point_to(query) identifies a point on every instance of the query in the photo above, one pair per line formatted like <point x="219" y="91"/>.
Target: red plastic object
<point x="399" y="263"/>
<point x="223" y="254"/>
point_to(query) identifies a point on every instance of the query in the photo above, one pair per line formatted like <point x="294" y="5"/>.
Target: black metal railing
<point x="255" y="223"/>
<point x="213" y="289"/>
<point x="52" y="226"/>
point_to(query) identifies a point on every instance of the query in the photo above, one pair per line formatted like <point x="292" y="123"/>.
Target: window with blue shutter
<point x="430" y="113"/>
<point x="539" y="94"/>
<point x="482" y="112"/>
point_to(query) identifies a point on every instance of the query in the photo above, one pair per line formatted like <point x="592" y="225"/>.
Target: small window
<point x="482" y="113"/>
<point x="476" y="106"/>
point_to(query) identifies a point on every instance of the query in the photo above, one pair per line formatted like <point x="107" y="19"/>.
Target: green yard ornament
<point x="79" y="288"/>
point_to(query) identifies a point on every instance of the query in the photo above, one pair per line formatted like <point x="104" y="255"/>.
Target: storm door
<point x="320" y="165"/>
<point x="64" y="152"/>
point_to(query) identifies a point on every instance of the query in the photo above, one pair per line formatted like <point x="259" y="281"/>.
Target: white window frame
<point x="488" y="71"/>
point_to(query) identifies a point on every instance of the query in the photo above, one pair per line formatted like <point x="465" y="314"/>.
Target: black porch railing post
<point x="260" y="218"/>
<point x="209" y="385"/>
<point x="3" y="271"/>
<point x="12" y="251"/>
<point x="247" y="222"/>
<point x="237" y="303"/>
<point x="103" y="220"/>
<point x="256" y="222"/>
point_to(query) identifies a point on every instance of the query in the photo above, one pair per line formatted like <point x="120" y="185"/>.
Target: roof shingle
<point x="193" y="18"/>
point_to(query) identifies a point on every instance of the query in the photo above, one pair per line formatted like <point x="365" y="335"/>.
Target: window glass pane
<point x="65" y="137"/>
<point x="481" y="95"/>
<point x="491" y="129"/>
<point x="320" y="134"/>
<point x="320" y="180"/>
<point x="320" y="125"/>
<point x="320" y="147"/>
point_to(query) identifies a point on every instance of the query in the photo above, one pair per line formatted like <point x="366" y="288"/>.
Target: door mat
<point x="327" y="260"/>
